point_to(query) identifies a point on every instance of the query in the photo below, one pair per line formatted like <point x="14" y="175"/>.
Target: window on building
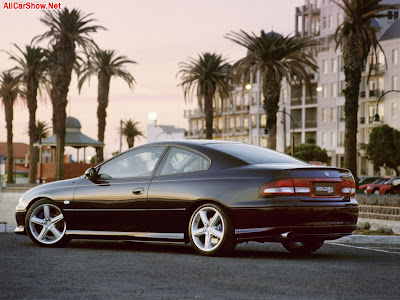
<point x="394" y="110"/>
<point x="341" y="62"/>
<point x="333" y="139"/>
<point x="393" y="14"/>
<point x="334" y="89"/>
<point x="395" y="56"/>
<point x="334" y="65"/>
<point x="381" y="83"/>
<point x="342" y="114"/>
<point x="341" y="139"/>
<point x="381" y="60"/>
<point x="324" y="91"/>
<point x="323" y="140"/>
<point x="342" y="87"/>
<point x="394" y="82"/>
<point x="263" y="120"/>
<point x="330" y="22"/>
<point x="324" y="112"/>
<point x="325" y="66"/>
<point x="254" y="121"/>
<point x="333" y="114"/>
<point x="324" y="21"/>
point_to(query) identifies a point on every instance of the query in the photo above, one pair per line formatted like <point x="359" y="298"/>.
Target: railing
<point x="311" y="123"/>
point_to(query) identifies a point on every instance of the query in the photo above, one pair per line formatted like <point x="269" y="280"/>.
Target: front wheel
<point x="45" y="224"/>
<point x="211" y="231"/>
<point x="303" y="247"/>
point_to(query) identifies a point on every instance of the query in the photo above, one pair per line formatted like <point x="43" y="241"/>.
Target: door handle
<point x="138" y="191"/>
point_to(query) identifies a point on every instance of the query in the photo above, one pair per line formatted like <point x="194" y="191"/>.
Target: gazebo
<point x="73" y="138"/>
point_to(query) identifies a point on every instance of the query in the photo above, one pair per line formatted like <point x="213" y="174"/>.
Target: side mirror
<point x="91" y="173"/>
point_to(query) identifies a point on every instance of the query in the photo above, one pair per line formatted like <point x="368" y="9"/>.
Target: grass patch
<point x="379" y="231"/>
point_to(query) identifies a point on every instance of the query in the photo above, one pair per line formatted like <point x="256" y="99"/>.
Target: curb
<point x="7" y="228"/>
<point x="368" y="239"/>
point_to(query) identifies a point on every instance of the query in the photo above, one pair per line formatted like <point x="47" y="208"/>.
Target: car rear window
<point x="255" y="155"/>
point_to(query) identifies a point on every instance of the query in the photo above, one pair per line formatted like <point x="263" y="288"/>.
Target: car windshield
<point x="255" y="155"/>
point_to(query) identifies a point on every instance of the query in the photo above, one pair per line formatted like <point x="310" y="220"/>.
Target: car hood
<point x="42" y="190"/>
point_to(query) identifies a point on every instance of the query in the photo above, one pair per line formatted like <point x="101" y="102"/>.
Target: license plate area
<point x="324" y="189"/>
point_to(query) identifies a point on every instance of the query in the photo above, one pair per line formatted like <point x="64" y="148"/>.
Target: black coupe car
<point x="209" y="193"/>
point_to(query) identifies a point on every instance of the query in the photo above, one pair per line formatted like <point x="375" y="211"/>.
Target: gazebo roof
<point x="73" y="136"/>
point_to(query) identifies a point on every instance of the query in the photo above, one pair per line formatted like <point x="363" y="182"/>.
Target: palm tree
<point x="105" y="64"/>
<point x="205" y="76"/>
<point x="357" y="37"/>
<point x="67" y="30"/>
<point x="31" y="67"/>
<point x="131" y="131"/>
<point x="276" y="57"/>
<point x="42" y="130"/>
<point x="9" y="90"/>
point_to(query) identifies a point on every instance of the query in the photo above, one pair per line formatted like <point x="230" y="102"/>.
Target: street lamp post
<point x="376" y="117"/>
<point x="292" y="123"/>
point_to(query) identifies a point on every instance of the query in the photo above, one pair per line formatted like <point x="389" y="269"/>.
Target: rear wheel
<point x="211" y="231"/>
<point x="303" y="247"/>
<point x="45" y="224"/>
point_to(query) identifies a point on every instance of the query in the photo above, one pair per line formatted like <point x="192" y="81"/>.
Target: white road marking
<point x="365" y="248"/>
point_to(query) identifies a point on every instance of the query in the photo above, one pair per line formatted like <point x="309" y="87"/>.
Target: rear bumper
<point x="307" y="222"/>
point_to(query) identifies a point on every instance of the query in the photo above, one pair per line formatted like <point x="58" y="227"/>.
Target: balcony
<point x="374" y="93"/>
<point x="311" y="123"/>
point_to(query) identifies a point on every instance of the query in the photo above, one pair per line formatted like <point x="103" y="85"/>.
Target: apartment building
<point x="316" y="115"/>
<point x="320" y="20"/>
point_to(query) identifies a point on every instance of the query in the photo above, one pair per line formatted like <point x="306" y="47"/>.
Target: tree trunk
<point x="129" y="141"/>
<point x="271" y="91"/>
<point x="352" y="72"/>
<point x="208" y="113"/>
<point x="102" y="99"/>
<point x="60" y="81"/>
<point x="9" y="114"/>
<point x="33" y="136"/>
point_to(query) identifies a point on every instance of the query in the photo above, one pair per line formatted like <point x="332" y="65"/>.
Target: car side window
<point x="135" y="163"/>
<point x="183" y="161"/>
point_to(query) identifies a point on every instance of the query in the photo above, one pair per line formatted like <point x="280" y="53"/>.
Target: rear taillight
<point x="282" y="187"/>
<point x="305" y="187"/>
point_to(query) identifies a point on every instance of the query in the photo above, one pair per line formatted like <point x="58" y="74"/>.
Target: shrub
<point x="364" y="225"/>
<point x="384" y="230"/>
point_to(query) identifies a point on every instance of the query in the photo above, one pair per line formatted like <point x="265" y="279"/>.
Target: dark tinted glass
<point x="255" y="155"/>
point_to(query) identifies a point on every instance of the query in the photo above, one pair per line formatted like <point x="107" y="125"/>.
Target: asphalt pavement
<point x="114" y="269"/>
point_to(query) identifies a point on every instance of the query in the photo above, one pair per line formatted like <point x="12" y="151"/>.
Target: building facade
<point x="316" y="115"/>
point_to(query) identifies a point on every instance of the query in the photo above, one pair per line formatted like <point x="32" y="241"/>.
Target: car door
<point x="116" y="199"/>
<point x="174" y="188"/>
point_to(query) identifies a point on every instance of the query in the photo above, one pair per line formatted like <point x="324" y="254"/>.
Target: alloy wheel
<point x="47" y="224"/>
<point x="207" y="229"/>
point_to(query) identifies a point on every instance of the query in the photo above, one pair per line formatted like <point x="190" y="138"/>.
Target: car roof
<point x="190" y="142"/>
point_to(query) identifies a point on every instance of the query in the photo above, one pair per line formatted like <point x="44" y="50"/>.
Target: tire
<point x="389" y="192"/>
<point x="303" y="247"/>
<point x="45" y="224"/>
<point x="376" y="192"/>
<point x="210" y="231"/>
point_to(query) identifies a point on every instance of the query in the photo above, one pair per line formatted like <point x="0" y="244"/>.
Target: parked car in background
<point x="373" y="188"/>
<point x="362" y="180"/>
<point x="388" y="187"/>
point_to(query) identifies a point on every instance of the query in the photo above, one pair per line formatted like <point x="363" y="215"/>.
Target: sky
<point x="157" y="34"/>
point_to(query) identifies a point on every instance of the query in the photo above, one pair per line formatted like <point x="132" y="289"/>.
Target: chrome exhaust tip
<point x="288" y="235"/>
